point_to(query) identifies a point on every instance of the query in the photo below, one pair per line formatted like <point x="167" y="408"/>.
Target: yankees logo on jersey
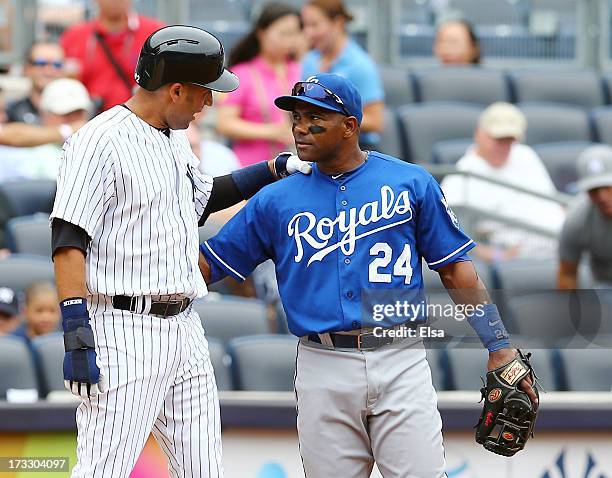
<point x="330" y="238"/>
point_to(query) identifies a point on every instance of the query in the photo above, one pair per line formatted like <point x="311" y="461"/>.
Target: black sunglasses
<point x="56" y="64"/>
<point x="317" y="91"/>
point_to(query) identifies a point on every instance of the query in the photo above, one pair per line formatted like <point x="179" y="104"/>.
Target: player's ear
<point x="351" y="126"/>
<point x="175" y="90"/>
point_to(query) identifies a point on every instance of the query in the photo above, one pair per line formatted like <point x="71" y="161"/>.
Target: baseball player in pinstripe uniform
<point x="125" y="247"/>
<point x="350" y="234"/>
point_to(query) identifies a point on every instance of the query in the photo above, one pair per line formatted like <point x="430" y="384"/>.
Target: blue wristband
<point x="74" y="313"/>
<point x="487" y="323"/>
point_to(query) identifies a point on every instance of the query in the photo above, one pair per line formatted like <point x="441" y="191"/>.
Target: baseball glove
<point x="508" y="416"/>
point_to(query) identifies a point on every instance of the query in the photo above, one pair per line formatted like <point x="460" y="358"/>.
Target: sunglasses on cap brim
<point x="317" y="91"/>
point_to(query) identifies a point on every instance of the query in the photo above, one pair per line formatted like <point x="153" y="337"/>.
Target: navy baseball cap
<point x="326" y="90"/>
<point x="9" y="304"/>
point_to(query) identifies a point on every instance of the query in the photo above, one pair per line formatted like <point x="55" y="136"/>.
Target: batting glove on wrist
<point x="81" y="372"/>
<point x="286" y="164"/>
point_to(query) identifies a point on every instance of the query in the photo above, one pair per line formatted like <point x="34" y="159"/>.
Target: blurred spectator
<point x="588" y="226"/>
<point x="498" y="154"/>
<point x="44" y="63"/>
<point x="41" y="312"/>
<point x="65" y="106"/>
<point x="106" y="50"/>
<point x="3" y="115"/>
<point x="263" y="60"/>
<point x="335" y="52"/>
<point x="456" y="43"/>
<point x="9" y="311"/>
<point x="216" y="159"/>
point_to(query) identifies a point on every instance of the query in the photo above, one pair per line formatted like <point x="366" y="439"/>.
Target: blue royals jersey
<point x="336" y="240"/>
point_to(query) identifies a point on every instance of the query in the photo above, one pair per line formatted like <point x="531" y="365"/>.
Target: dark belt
<point x="166" y="308"/>
<point x="363" y="341"/>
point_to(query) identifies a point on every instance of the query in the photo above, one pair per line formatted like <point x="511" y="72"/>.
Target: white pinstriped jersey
<point x="138" y="194"/>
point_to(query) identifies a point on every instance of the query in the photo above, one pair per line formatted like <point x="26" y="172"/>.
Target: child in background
<point x="41" y="312"/>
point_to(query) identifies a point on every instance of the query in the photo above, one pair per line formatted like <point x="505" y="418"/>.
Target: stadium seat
<point x="29" y="235"/>
<point x="391" y="137"/>
<point x="263" y="362"/>
<point x="548" y="123"/>
<point x="16" y="366"/>
<point x="471" y="85"/>
<point x="494" y="12"/>
<point x="397" y="85"/>
<point x="18" y="271"/>
<point x="438" y="374"/>
<point x="227" y="318"/>
<point x="524" y="276"/>
<point x="588" y="369"/>
<point x="560" y="161"/>
<point x="25" y="197"/>
<point x="556" y="318"/>
<point x="221" y="363"/>
<point x="466" y="366"/>
<point x="426" y="124"/>
<point x="577" y="87"/>
<point x="451" y="151"/>
<point x="50" y="349"/>
<point x="208" y="230"/>
<point x="602" y="122"/>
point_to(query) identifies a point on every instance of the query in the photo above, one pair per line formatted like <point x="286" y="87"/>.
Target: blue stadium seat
<point x="450" y="151"/>
<point x="20" y="270"/>
<point x="578" y="87"/>
<point x="556" y="318"/>
<point x="50" y="350"/>
<point x="391" y="139"/>
<point x="396" y="82"/>
<point x="426" y="124"/>
<point x="588" y="369"/>
<point x="416" y="41"/>
<point x="560" y="161"/>
<point x="29" y="235"/>
<point x="466" y="366"/>
<point x="263" y="362"/>
<point x="208" y="230"/>
<point x="548" y="123"/>
<point x="16" y="366"/>
<point x="438" y="373"/>
<point x="221" y="362"/>
<point x="478" y="85"/>
<point x="23" y="198"/>
<point x="602" y="122"/>
<point x="226" y="318"/>
<point x="494" y="12"/>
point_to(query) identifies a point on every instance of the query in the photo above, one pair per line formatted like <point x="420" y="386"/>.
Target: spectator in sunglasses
<point x="44" y="63"/>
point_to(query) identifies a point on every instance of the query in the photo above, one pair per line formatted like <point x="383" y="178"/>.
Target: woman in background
<point x="264" y="62"/>
<point x="333" y="51"/>
<point x="456" y="43"/>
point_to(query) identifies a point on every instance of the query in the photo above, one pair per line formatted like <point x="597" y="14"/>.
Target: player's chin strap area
<point x="508" y="416"/>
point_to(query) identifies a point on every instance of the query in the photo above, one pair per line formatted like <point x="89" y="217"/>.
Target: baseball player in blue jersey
<point x="358" y="225"/>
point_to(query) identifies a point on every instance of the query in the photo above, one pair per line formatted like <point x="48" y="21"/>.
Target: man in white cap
<point x="588" y="226"/>
<point x="64" y="107"/>
<point x="497" y="153"/>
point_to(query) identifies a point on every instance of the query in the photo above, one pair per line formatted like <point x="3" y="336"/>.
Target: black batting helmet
<point x="183" y="54"/>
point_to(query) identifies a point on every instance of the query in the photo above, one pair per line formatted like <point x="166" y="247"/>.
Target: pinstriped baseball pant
<point x="160" y="380"/>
